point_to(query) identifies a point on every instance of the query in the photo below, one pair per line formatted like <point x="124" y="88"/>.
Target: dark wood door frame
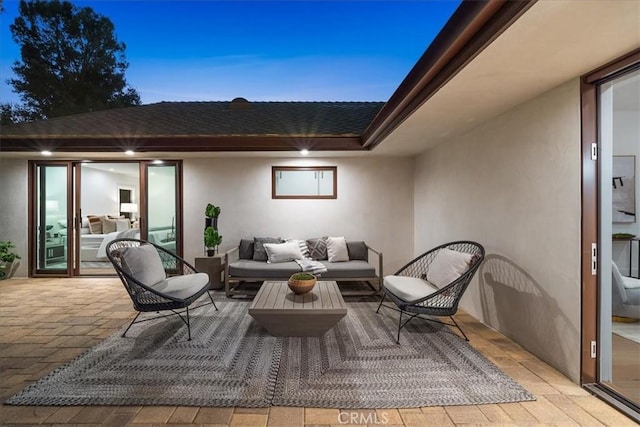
<point x="589" y="84"/>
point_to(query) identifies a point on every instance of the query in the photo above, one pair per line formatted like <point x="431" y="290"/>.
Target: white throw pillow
<point x="144" y="264"/>
<point x="302" y="244"/>
<point x="447" y="266"/>
<point x="337" y="249"/>
<point x="123" y="224"/>
<point x="282" y="252"/>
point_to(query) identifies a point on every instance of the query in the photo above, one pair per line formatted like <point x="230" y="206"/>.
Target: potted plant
<point x="211" y="240"/>
<point x="8" y="260"/>
<point x="211" y="213"/>
<point x="301" y="283"/>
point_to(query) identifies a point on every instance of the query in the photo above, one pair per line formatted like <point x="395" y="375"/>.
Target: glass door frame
<point x="34" y="213"/>
<point x="591" y="256"/>
<point x="144" y="200"/>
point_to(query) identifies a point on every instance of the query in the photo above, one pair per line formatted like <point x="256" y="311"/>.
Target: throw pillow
<point x="358" y="251"/>
<point x="245" y="249"/>
<point x="143" y="263"/>
<point x="109" y="225"/>
<point x="317" y="248"/>
<point x="447" y="266"/>
<point x="259" y="253"/>
<point x="304" y="250"/>
<point x="123" y="224"/>
<point x="337" y="249"/>
<point x="282" y="252"/>
<point x="95" y="224"/>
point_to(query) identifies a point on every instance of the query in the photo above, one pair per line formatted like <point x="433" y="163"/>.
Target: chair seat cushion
<point x="408" y="288"/>
<point x="182" y="287"/>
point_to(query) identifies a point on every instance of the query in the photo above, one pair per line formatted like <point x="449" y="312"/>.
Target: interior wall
<point x="13" y="208"/>
<point x="100" y="190"/>
<point x="626" y="142"/>
<point x="513" y="185"/>
<point x="374" y="204"/>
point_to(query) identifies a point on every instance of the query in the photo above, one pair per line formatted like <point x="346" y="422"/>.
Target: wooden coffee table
<point x="284" y="313"/>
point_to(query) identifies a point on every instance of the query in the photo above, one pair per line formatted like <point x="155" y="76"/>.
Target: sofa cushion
<point x="317" y="248"/>
<point x="282" y="252"/>
<point x="182" y="287"/>
<point x="447" y="266"/>
<point x="261" y="269"/>
<point x="259" y="253"/>
<point x="408" y="288"/>
<point x="245" y="250"/>
<point x="358" y="251"/>
<point x="337" y="249"/>
<point x="348" y="270"/>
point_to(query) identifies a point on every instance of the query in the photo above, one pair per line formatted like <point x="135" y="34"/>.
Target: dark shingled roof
<point x="197" y="119"/>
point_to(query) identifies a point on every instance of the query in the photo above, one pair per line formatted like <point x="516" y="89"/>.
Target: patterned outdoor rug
<point x="232" y="361"/>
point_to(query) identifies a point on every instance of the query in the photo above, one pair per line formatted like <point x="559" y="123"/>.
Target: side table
<point x="214" y="267"/>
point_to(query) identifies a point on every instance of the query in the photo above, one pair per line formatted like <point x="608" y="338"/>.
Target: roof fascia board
<point x="178" y="144"/>
<point x="472" y="27"/>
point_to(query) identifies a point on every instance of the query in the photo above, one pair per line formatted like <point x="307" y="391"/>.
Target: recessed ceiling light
<point x="129" y="152"/>
<point x="304" y="152"/>
<point x="46" y="153"/>
<point x="157" y="162"/>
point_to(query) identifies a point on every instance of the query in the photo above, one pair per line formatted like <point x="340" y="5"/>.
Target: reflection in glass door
<point x="619" y="255"/>
<point x="107" y="206"/>
<point x="162" y="214"/>
<point x="51" y="219"/>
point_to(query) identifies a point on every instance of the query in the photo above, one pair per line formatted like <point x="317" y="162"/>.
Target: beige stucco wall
<point x="513" y="184"/>
<point x="13" y="207"/>
<point x="374" y="204"/>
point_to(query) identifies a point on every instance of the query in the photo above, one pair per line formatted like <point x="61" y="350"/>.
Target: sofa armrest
<point x="229" y="256"/>
<point x="379" y="254"/>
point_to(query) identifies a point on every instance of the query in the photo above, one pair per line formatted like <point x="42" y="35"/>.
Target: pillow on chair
<point x="447" y="266"/>
<point x="144" y="264"/>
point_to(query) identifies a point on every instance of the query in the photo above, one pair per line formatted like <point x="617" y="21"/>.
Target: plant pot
<point x="300" y="287"/>
<point x="7" y="269"/>
<point x="211" y="251"/>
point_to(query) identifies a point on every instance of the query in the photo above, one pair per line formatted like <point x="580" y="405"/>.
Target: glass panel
<point x="162" y="206"/>
<point x="290" y="182"/>
<point x="109" y="199"/>
<point x="619" y="104"/>
<point x="51" y="218"/>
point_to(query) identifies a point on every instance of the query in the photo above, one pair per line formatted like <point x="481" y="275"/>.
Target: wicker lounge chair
<point x="157" y="280"/>
<point x="433" y="283"/>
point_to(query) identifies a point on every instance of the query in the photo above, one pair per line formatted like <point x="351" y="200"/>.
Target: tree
<point x="71" y="60"/>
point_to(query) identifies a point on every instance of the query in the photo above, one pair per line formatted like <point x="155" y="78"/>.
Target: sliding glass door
<point x="162" y="215"/>
<point x="619" y="254"/>
<point x="50" y="219"/>
<point x="77" y="208"/>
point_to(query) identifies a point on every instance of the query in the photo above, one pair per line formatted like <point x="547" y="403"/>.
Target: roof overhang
<point x="550" y="43"/>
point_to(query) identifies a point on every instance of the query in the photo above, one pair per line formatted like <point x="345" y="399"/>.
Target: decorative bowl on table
<point x="301" y="283"/>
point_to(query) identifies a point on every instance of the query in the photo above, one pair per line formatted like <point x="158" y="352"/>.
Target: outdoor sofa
<point x="243" y="264"/>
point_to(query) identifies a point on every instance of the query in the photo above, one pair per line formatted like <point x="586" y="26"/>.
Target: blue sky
<point x="261" y="50"/>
